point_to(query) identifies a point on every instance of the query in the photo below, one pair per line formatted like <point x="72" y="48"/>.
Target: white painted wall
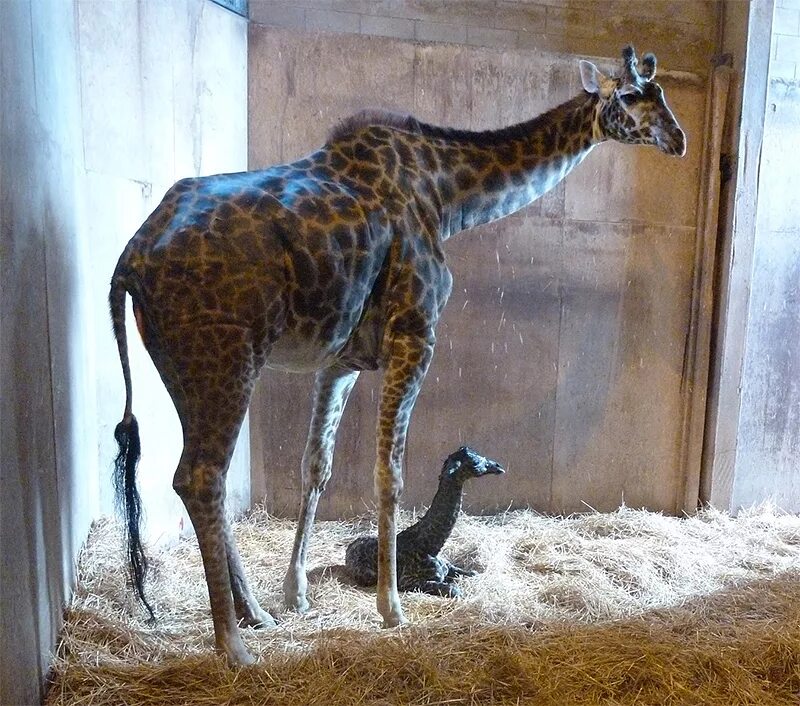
<point x="104" y="105"/>
<point x="768" y="451"/>
<point x="162" y="100"/>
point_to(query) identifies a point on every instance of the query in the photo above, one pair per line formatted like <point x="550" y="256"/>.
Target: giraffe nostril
<point x="677" y="144"/>
<point x="680" y="146"/>
<point x="672" y="143"/>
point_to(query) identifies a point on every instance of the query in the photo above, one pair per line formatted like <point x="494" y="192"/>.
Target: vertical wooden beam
<point x="698" y="341"/>
<point x="738" y="228"/>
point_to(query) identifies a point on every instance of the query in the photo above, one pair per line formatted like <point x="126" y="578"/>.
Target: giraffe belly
<point x="357" y="349"/>
<point x="293" y="353"/>
<point x="340" y="323"/>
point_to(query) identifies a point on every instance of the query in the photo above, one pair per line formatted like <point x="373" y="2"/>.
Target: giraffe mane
<point x="374" y="117"/>
<point x="408" y="123"/>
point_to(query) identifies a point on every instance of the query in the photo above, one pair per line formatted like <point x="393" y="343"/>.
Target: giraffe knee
<point x="200" y="482"/>
<point x="316" y="470"/>
<point x="182" y="481"/>
<point x="318" y="478"/>
<point x="389" y="486"/>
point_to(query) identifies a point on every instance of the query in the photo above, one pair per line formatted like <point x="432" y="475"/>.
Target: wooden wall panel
<point x="561" y="349"/>
<point x="681" y="32"/>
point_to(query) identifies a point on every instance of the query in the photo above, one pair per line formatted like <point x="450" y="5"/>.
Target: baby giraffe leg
<point x="332" y="388"/>
<point x="427" y="574"/>
<point x="453" y="571"/>
<point x="439" y="588"/>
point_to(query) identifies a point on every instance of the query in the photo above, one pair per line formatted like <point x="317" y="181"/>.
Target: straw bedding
<point x="629" y="607"/>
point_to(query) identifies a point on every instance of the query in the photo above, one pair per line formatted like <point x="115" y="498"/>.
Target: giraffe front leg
<point x="332" y="388"/>
<point x="409" y="361"/>
<point x="429" y="574"/>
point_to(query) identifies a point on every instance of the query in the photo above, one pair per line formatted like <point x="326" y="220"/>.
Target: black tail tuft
<point x="129" y="502"/>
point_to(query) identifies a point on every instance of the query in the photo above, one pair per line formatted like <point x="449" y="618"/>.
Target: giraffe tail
<point x="127" y="437"/>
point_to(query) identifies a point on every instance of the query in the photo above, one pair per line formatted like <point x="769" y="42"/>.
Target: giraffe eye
<point x="628" y="98"/>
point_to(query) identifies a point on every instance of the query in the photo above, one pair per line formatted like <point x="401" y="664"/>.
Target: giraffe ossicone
<point x="334" y="264"/>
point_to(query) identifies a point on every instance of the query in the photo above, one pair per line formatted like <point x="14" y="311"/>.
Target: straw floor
<point x="623" y="608"/>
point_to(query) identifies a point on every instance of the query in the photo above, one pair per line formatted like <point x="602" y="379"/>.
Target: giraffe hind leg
<point x="211" y="401"/>
<point x="361" y="560"/>
<point x="249" y="613"/>
<point x="201" y="487"/>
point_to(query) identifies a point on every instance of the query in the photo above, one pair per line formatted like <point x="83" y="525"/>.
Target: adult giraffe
<point x="333" y="264"/>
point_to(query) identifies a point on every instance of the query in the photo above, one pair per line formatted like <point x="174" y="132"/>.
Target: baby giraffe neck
<point x="431" y="531"/>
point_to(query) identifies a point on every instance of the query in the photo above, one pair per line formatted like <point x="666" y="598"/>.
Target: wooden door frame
<point x="737" y="230"/>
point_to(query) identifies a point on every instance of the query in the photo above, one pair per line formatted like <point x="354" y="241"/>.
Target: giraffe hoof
<point x="237" y="655"/>
<point x="394" y="620"/>
<point x="257" y="619"/>
<point x="301" y="605"/>
<point x="243" y="660"/>
<point x="294" y="591"/>
<point x="298" y="604"/>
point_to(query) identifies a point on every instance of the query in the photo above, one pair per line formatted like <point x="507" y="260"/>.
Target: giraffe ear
<point x="648" y="66"/>
<point x="594" y="81"/>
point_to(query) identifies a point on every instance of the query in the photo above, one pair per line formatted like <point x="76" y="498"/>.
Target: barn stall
<point x="592" y="343"/>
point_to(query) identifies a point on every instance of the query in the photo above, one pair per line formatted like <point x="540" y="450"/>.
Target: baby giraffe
<point x="419" y="568"/>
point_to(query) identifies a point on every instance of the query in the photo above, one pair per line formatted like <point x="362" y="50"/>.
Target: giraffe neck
<point x="431" y="531"/>
<point x="483" y="176"/>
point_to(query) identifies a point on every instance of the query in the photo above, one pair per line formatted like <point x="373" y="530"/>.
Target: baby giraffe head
<point x="468" y="463"/>
<point x="632" y="108"/>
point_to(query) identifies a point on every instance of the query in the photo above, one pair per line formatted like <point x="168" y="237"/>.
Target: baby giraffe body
<point x="419" y="566"/>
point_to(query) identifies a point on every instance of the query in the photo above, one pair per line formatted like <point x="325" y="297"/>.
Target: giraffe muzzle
<point x="672" y="143"/>
<point x="492" y="467"/>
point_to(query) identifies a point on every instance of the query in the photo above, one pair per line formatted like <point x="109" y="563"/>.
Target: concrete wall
<point x="561" y="350"/>
<point x="681" y="32"/>
<point x="785" y="59"/>
<point x="768" y="454"/>
<point x="103" y="106"/>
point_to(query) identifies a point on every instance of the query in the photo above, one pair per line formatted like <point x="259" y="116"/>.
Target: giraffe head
<point x="468" y="463"/>
<point x="632" y="108"/>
